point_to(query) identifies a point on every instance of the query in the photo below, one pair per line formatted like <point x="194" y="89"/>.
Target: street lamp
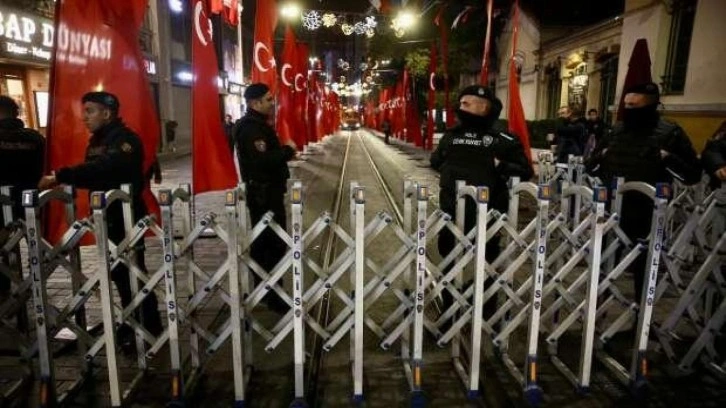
<point x="290" y="11"/>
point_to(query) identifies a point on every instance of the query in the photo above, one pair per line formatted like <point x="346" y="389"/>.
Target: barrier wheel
<point x="299" y="403"/>
<point x="418" y="400"/>
<point x="533" y="395"/>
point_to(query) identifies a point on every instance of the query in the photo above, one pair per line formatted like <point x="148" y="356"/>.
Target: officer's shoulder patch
<point x="506" y="136"/>
<point x="126" y="147"/>
<point x="260" y="146"/>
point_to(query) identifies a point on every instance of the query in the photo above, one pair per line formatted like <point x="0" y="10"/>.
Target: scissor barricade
<point x="688" y="332"/>
<point x="48" y="260"/>
<point x="13" y="303"/>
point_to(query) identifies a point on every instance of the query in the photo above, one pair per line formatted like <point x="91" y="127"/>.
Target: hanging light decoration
<point x="360" y="28"/>
<point x="329" y="20"/>
<point x="371" y="22"/>
<point x="347" y="28"/>
<point x="312" y="20"/>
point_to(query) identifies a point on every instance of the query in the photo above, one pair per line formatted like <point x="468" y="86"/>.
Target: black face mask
<point x="640" y="118"/>
<point x="470" y="120"/>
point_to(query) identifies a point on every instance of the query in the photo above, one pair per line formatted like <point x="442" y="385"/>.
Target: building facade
<point x="685" y="40"/>
<point x="585" y="67"/>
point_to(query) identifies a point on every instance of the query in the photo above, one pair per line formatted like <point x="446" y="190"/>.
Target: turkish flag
<point x="263" y="67"/>
<point x="216" y="6"/>
<point x="515" y="114"/>
<point x="96" y="49"/>
<point x="285" y="110"/>
<point x="430" y="123"/>
<point x="484" y="74"/>
<point x="413" y="121"/>
<point x="301" y="95"/>
<point x="212" y="162"/>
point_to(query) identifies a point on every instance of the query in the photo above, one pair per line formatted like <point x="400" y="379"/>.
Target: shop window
<point x="608" y="82"/>
<point x="683" y="13"/>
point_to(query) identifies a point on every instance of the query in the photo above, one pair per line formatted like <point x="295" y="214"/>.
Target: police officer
<point x="263" y="166"/>
<point x="22" y="152"/>
<point x="477" y="153"/>
<point x="114" y="156"/>
<point x="646" y="148"/>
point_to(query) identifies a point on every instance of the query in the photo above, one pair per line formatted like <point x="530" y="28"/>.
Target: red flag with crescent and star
<point x="301" y="94"/>
<point x="430" y="123"/>
<point x="285" y="109"/>
<point x="263" y="58"/>
<point x="212" y="163"/>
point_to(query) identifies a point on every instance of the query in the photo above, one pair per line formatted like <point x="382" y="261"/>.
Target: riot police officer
<point x="263" y="166"/>
<point x="22" y="152"/>
<point x="477" y="153"/>
<point x="646" y="148"/>
<point x="114" y="156"/>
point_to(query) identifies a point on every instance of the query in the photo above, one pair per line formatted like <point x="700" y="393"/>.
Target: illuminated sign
<point x="25" y="36"/>
<point x="30" y="37"/>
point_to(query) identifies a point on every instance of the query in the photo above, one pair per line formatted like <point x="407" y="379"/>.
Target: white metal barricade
<point x="46" y="259"/>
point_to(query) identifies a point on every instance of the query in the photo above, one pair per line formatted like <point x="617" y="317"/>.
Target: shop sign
<point x="30" y="37"/>
<point x="25" y="36"/>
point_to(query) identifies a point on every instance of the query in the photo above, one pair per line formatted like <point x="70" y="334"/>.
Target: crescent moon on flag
<point x="198" y="11"/>
<point x="298" y="76"/>
<point x="431" y="81"/>
<point x="258" y="62"/>
<point x="285" y="67"/>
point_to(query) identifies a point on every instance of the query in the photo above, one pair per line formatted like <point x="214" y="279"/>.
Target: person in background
<point x="170" y="127"/>
<point x="595" y="130"/>
<point x="570" y="135"/>
<point x="386" y="128"/>
<point x="229" y="127"/>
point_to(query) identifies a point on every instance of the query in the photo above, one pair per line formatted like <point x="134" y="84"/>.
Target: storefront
<point x="26" y="42"/>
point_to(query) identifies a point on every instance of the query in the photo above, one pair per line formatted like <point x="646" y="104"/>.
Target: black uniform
<point x="467" y="153"/>
<point x="570" y="139"/>
<point x="22" y="152"/>
<point x="115" y="156"/>
<point x="634" y="153"/>
<point x="263" y="166"/>
<point x="713" y="157"/>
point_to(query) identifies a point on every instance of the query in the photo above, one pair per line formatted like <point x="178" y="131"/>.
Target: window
<point x="608" y="80"/>
<point x="554" y="89"/>
<point x="683" y="13"/>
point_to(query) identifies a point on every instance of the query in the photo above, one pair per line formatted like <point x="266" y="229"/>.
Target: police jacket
<point x="22" y="153"/>
<point x="635" y="155"/>
<point x="114" y="156"/>
<point x="713" y="157"/>
<point x="570" y="139"/>
<point x="262" y="160"/>
<point x="468" y="154"/>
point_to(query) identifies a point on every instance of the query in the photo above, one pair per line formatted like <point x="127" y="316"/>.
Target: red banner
<point x="92" y="53"/>
<point x="263" y="67"/>
<point x="484" y="75"/>
<point x="431" y="105"/>
<point x="515" y="116"/>
<point x="444" y="32"/>
<point x="212" y="163"/>
<point x="285" y="110"/>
